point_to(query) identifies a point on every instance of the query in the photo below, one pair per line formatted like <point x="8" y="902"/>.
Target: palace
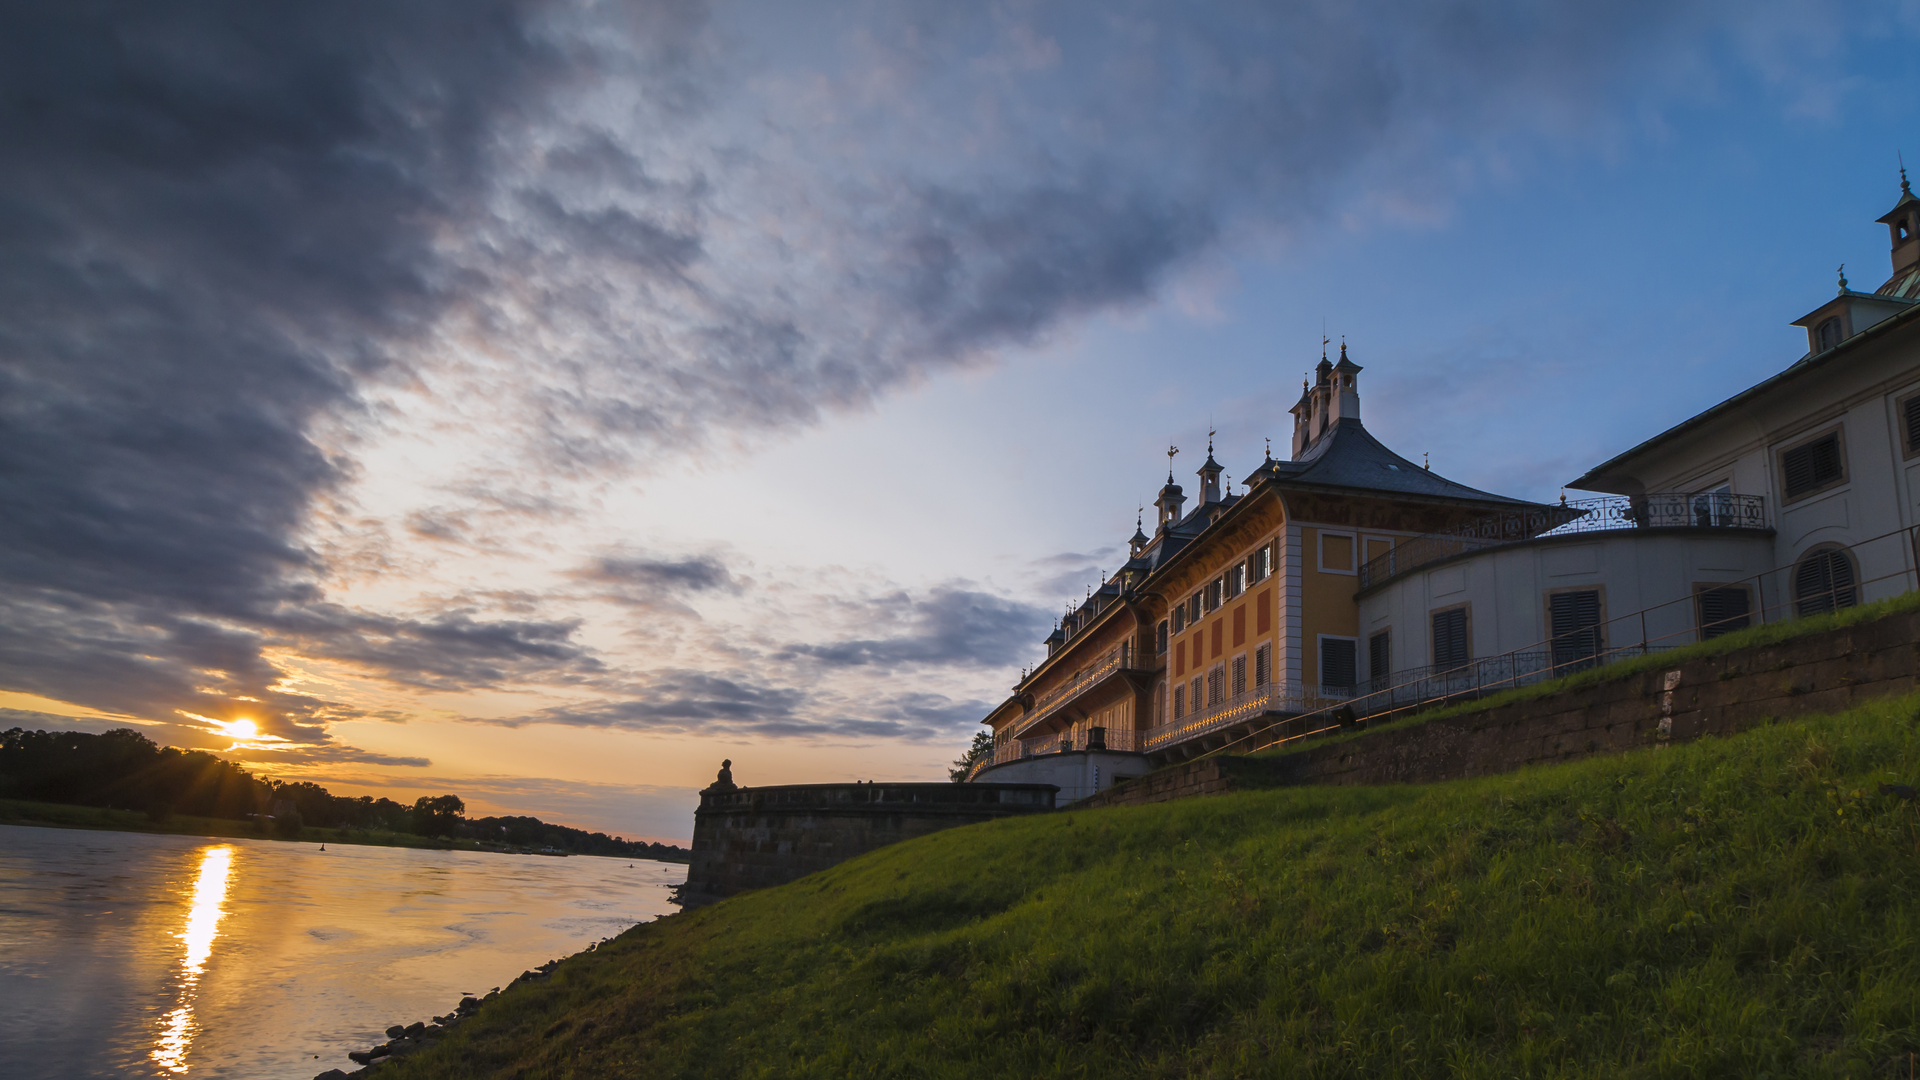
<point x="1347" y="575"/>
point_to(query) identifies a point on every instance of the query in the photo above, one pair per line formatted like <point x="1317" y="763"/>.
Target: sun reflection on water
<point x="177" y="1028"/>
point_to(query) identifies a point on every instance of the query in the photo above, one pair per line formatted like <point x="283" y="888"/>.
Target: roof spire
<point x="1843" y="278"/>
<point x="1905" y="189"/>
<point x="1171" y="450"/>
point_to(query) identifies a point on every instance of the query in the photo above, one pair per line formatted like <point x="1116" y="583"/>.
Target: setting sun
<point x="240" y="729"/>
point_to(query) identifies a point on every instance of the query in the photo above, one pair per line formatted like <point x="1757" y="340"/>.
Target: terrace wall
<point x="1818" y="673"/>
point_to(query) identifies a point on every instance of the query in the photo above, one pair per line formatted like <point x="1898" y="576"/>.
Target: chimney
<point x="1322" y="386"/>
<point x="1210" y="476"/>
<point x="1302" y="419"/>
<point x="1169" y="503"/>
<point x="1345" y="391"/>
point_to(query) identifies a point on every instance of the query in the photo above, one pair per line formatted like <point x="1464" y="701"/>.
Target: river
<point x="128" y="955"/>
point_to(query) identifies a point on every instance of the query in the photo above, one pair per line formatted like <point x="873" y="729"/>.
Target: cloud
<point x="952" y="626"/>
<point x="233" y="239"/>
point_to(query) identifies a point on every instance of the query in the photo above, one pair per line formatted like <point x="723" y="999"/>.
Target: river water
<point x="127" y="955"/>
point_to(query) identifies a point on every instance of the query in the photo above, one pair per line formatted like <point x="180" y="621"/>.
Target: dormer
<point x="1845" y="315"/>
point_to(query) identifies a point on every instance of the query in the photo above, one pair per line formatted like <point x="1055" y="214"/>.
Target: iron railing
<point x="1664" y="510"/>
<point x="1060" y="696"/>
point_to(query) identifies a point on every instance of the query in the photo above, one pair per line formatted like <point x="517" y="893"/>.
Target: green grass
<point x="1752" y="637"/>
<point x="1731" y="907"/>
<point x="63" y="816"/>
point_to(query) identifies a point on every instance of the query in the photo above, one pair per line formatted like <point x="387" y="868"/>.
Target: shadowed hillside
<point x="1733" y="907"/>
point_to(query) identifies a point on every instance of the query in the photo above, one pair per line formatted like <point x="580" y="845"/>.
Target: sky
<point x="543" y="401"/>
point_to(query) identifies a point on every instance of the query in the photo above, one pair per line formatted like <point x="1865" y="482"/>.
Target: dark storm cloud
<point x="215" y="220"/>
<point x="641" y="578"/>
<point x="220" y="222"/>
<point x="683" y="700"/>
<point x="953" y="627"/>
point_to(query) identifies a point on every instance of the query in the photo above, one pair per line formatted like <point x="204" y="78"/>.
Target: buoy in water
<point x="323" y="847"/>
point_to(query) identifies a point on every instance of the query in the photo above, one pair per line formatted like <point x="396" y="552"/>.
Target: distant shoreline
<point x="102" y="819"/>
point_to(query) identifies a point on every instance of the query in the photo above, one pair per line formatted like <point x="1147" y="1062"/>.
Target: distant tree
<point x="288" y="823"/>
<point x="437" y="815"/>
<point x="982" y="749"/>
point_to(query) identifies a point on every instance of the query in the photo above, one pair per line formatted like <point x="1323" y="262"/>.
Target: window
<point x="1216" y="686"/>
<point x="1236" y="580"/>
<point x="1827" y="334"/>
<point x="1575" y="621"/>
<point x="1179" y="617"/>
<point x="1260" y="564"/>
<point x="1336" y="553"/>
<point x="1713" y="507"/>
<point x="1824" y="581"/>
<point x="1193" y="695"/>
<point x="1722" y="609"/>
<point x="1239" y="675"/>
<point x="1213" y="593"/>
<point x="1380" y="656"/>
<point x="1193" y="608"/>
<point x="1160" y="638"/>
<point x="1263" y="665"/>
<point x="1450" y="649"/>
<point x="1812" y="466"/>
<point x="1179" y="702"/>
<point x="1337" y="663"/>
<point x="1910" y="423"/>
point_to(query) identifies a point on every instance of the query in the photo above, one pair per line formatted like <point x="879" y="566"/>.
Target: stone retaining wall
<point x="1718" y="695"/>
<point x="750" y="838"/>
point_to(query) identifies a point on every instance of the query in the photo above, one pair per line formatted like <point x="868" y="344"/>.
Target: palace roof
<point x="1348" y="456"/>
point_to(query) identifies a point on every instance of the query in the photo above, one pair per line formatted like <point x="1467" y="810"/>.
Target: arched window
<point x="1824" y="581"/>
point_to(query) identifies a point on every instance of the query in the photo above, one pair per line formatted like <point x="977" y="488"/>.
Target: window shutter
<point x="1824" y="582"/>
<point x="1811" y="466"/>
<point x="1913" y="424"/>
<point x="1337" y="663"/>
<point x="1380" y="656"/>
<point x="1239" y="675"/>
<point x="1722" y="611"/>
<point x="1263" y="665"/>
<point x="1450" y="639"/>
<point x="1576" y="626"/>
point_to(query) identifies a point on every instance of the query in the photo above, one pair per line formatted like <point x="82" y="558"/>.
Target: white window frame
<point x="1353" y="552"/>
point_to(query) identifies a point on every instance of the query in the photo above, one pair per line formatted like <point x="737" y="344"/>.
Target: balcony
<point x="1665" y="510"/>
<point x="1100" y="670"/>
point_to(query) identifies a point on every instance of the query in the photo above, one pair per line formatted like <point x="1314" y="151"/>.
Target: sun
<point x="241" y="729"/>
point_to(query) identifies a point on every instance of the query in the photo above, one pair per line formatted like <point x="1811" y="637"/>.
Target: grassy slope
<point x="1737" y="907"/>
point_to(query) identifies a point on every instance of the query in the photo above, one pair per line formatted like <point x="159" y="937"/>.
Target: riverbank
<point x="1737" y="906"/>
<point x="63" y="816"/>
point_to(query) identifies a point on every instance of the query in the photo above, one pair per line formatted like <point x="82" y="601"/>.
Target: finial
<point x="1171" y="450"/>
<point x="1427" y="460"/>
<point x="1843" y="277"/>
<point x="1904" y="188"/>
<point x="1563" y="496"/>
<point x="1210" y="435"/>
<point x="1343" y="346"/>
<point x="1323" y="346"/>
<point x="1269" y="441"/>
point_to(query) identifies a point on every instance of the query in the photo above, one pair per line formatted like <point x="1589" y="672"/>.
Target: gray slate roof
<point x="1350" y="457"/>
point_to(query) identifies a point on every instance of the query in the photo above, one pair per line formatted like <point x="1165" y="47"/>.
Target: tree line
<point x="125" y="770"/>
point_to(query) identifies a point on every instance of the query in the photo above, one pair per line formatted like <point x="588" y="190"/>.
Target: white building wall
<point x="1861" y="394"/>
<point x="1507" y="589"/>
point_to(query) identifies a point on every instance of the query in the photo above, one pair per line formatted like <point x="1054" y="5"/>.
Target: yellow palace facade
<point x="1235" y="611"/>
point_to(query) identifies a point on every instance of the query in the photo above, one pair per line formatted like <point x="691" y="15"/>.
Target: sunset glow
<point x="204" y="913"/>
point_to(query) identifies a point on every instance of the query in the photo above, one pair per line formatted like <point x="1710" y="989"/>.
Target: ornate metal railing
<point x="1057" y="698"/>
<point x="1664" y="510"/>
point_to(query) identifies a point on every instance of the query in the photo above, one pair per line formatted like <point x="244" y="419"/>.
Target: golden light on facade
<point x="203" y="925"/>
